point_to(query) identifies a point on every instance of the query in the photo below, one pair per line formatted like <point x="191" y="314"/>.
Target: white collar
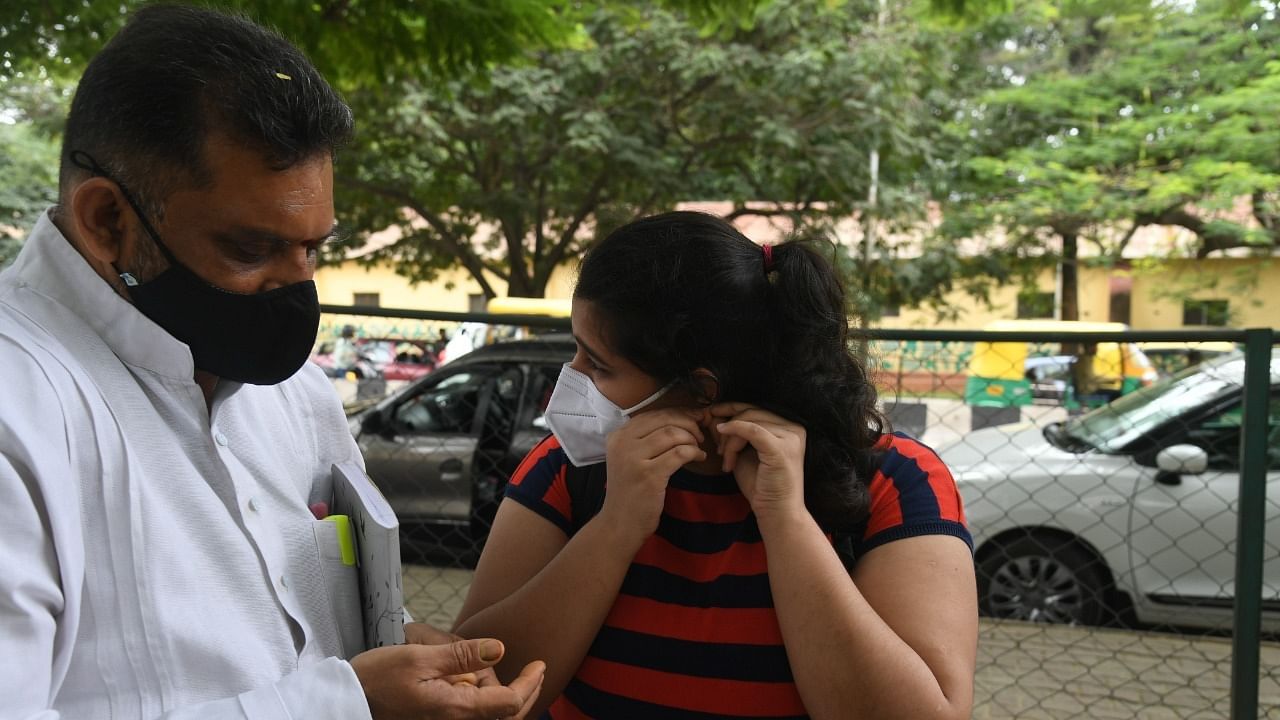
<point x="51" y="266"/>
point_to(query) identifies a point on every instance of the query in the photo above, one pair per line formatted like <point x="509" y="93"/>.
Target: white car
<point x="1130" y="508"/>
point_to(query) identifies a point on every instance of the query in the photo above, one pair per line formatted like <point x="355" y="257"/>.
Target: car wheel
<point x="1042" y="579"/>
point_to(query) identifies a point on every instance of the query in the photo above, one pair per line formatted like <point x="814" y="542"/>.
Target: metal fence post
<point x="1252" y="518"/>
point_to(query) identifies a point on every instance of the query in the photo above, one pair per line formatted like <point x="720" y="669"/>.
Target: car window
<point x="1219" y="436"/>
<point x="541" y="387"/>
<point x="1114" y="426"/>
<point x="502" y="407"/>
<point x="449" y="406"/>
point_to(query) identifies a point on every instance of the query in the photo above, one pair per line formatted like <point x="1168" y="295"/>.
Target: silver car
<point x="1126" y="512"/>
<point x="442" y="448"/>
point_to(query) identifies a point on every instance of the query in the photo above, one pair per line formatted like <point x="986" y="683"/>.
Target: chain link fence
<point x="1102" y="475"/>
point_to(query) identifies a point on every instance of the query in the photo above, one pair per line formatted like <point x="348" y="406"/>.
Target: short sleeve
<point x="539" y="484"/>
<point x="912" y="494"/>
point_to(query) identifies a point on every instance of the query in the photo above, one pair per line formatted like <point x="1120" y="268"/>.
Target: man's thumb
<point x="472" y="655"/>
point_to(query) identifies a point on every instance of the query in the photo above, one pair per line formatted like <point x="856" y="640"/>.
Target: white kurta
<point x="158" y="558"/>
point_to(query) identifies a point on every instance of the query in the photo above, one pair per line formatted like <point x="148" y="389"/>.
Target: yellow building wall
<point x="450" y="292"/>
<point x="1250" y="285"/>
<point x="339" y="284"/>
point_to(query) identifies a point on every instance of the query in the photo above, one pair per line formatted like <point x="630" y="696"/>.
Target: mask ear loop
<point x="85" y="161"/>
<point x="649" y="400"/>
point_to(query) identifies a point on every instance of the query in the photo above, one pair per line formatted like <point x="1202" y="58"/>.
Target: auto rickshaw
<point x="550" y="307"/>
<point x="998" y="374"/>
<point x="1169" y="358"/>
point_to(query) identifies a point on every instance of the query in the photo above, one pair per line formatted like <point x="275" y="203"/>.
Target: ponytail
<point x="821" y="384"/>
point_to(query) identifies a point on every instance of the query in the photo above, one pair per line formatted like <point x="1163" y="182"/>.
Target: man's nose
<point x="297" y="264"/>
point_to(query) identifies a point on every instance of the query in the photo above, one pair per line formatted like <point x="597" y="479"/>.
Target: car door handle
<point x="451" y="469"/>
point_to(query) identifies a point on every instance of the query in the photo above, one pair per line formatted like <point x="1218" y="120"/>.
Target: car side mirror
<point x="1183" y="459"/>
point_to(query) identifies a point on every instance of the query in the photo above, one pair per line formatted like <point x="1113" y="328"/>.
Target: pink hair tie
<point x="768" y="258"/>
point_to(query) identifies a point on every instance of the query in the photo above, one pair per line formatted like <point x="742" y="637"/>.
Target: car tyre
<point x="1045" y="579"/>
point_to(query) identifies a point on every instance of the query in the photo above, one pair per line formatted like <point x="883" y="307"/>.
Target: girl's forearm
<point x="555" y="616"/>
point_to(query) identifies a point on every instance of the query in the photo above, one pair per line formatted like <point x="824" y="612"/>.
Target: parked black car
<point x="443" y="447"/>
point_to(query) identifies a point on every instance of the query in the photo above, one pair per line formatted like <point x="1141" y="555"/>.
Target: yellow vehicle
<point x="551" y="307"/>
<point x="998" y="374"/>
<point x="1171" y="357"/>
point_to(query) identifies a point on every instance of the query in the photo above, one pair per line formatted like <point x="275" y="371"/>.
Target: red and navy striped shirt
<point x="693" y="633"/>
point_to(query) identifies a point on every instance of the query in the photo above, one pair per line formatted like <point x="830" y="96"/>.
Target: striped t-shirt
<point x="693" y="633"/>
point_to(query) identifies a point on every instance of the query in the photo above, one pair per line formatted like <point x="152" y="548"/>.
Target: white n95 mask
<point x="581" y="418"/>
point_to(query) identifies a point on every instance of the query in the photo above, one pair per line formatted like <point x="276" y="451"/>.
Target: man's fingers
<point x="513" y="699"/>
<point x="417" y="633"/>
<point x="528" y="684"/>
<point x="528" y="703"/>
<point x="495" y="702"/>
<point x="460" y="657"/>
<point x="467" y="678"/>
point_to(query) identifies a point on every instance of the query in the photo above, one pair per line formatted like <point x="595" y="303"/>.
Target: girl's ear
<point x="708" y="386"/>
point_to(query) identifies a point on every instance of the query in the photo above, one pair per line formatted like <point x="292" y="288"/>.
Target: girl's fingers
<point x="755" y="434"/>
<point x="739" y="434"/>
<point x="745" y="411"/>
<point x="665" y="436"/>
<point x="679" y="456"/>
<point x="729" y="409"/>
<point x="644" y="424"/>
<point x="729" y="453"/>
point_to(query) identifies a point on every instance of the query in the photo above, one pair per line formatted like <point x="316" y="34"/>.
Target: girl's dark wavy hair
<point x="684" y="290"/>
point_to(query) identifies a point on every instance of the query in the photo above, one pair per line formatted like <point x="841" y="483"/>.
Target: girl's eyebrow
<point x="595" y="357"/>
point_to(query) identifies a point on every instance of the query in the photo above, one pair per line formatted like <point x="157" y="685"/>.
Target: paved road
<point x="1031" y="672"/>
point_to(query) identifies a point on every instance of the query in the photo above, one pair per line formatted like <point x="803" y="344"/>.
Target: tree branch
<point x="461" y="247"/>
<point x="588" y="206"/>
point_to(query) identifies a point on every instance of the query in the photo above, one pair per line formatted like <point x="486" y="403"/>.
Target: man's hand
<point x="431" y="681"/>
<point x="418" y="633"/>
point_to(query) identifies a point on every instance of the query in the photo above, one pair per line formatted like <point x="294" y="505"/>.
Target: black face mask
<point x="262" y="338"/>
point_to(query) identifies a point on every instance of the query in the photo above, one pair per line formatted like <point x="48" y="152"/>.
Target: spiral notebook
<point x="375" y="532"/>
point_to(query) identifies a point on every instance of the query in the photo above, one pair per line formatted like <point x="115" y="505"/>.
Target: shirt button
<point x="253" y="504"/>
<point x="284" y="582"/>
<point x="220" y="439"/>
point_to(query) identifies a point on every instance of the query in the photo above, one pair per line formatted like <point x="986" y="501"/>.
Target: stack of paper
<point x="376" y="535"/>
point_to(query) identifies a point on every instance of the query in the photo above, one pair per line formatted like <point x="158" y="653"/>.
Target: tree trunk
<point x="1070" y="276"/>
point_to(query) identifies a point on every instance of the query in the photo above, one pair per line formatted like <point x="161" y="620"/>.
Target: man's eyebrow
<point x="594" y="355"/>
<point x="242" y="233"/>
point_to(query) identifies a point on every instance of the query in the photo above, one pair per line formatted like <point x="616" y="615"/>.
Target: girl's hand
<point x="765" y="453"/>
<point x="642" y="455"/>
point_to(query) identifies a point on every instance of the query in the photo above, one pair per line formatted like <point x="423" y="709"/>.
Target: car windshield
<point x="1113" y="427"/>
